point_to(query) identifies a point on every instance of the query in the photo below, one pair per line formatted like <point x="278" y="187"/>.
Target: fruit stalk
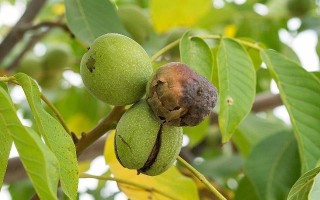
<point x="202" y="178"/>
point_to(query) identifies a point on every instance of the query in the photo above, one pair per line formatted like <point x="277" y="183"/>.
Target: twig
<point x="47" y="24"/>
<point x="163" y="50"/>
<point x="249" y="44"/>
<point x="127" y="182"/>
<point x="201" y="178"/>
<point x="105" y="125"/>
<point x="215" y="37"/>
<point x="7" y="79"/>
<point x="266" y="101"/>
<point x="15" y="35"/>
<point x="33" y="40"/>
<point x="246" y="43"/>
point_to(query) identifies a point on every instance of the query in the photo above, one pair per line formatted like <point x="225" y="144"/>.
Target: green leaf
<point x="246" y="135"/>
<point x="245" y="190"/>
<point x="196" y="53"/>
<point x="221" y="167"/>
<point x="39" y="162"/>
<point x="289" y="53"/>
<point x="4" y="86"/>
<point x="214" y="73"/>
<point x="315" y="189"/>
<point x="300" y="93"/>
<point x="273" y="166"/>
<point x="21" y="190"/>
<point x="237" y="83"/>
<point x="58" y="140"/>
<point x="317" y="74"/>
<point x="263" y="80"/>
<point x="91" y="19"/>
<point x="196" y="133"/>
<point x="301" y="188"/>
<point x="253" y="52"/>
<point x="262" y="29"/>
<point x="5" y="144"/>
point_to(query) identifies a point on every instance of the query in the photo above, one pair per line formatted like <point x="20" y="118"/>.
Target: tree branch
<point x="266" y="101"/>
<point x="33" y="40"/>
<point x="15" y="35"/>
<point x="47" y="24"/>
<point x="105" y="125"/>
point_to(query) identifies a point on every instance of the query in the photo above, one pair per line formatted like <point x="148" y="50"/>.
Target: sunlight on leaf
<point x="55" y="136"/>
<point x="39" y="162"/>
<point x="300" y="93"/>
<point x="170" y="182"/>
<point x="315" y="189"/>
<point x="5" y="144"/>
<point x="237" y="84"/>
<point x="301" y="188"/>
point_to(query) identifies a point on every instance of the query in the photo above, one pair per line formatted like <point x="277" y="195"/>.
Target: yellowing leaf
<point x="167" y="14"/>
<point x="171" y="183"/>
<point x="79" y="123"/>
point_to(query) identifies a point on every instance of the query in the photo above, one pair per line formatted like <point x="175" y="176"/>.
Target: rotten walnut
<point x="179" y="96"/>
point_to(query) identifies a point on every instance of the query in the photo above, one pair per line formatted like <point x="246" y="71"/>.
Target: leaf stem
<point x="215" y="37"/>
<point x="164" y="49"/>
<point x="249" y="44"/>
<point x="201" y="178"/>
<point x="7" y="79"/>
<point x="56" y="112"/>
<point x="127" y="182"/>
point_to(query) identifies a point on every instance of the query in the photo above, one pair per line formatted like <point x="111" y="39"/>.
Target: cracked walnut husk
<point x="179" y="96"/>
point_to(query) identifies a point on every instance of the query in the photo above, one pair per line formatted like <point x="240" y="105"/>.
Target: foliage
<point x="243" y="148"/>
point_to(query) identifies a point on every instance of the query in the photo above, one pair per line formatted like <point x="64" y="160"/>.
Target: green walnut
<point x="135" y="22"/>
<point x="116" y="69"/>
<point x="143" y="143"/>
<point x="31" y="65"/>
<point x="57" y="57"/>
